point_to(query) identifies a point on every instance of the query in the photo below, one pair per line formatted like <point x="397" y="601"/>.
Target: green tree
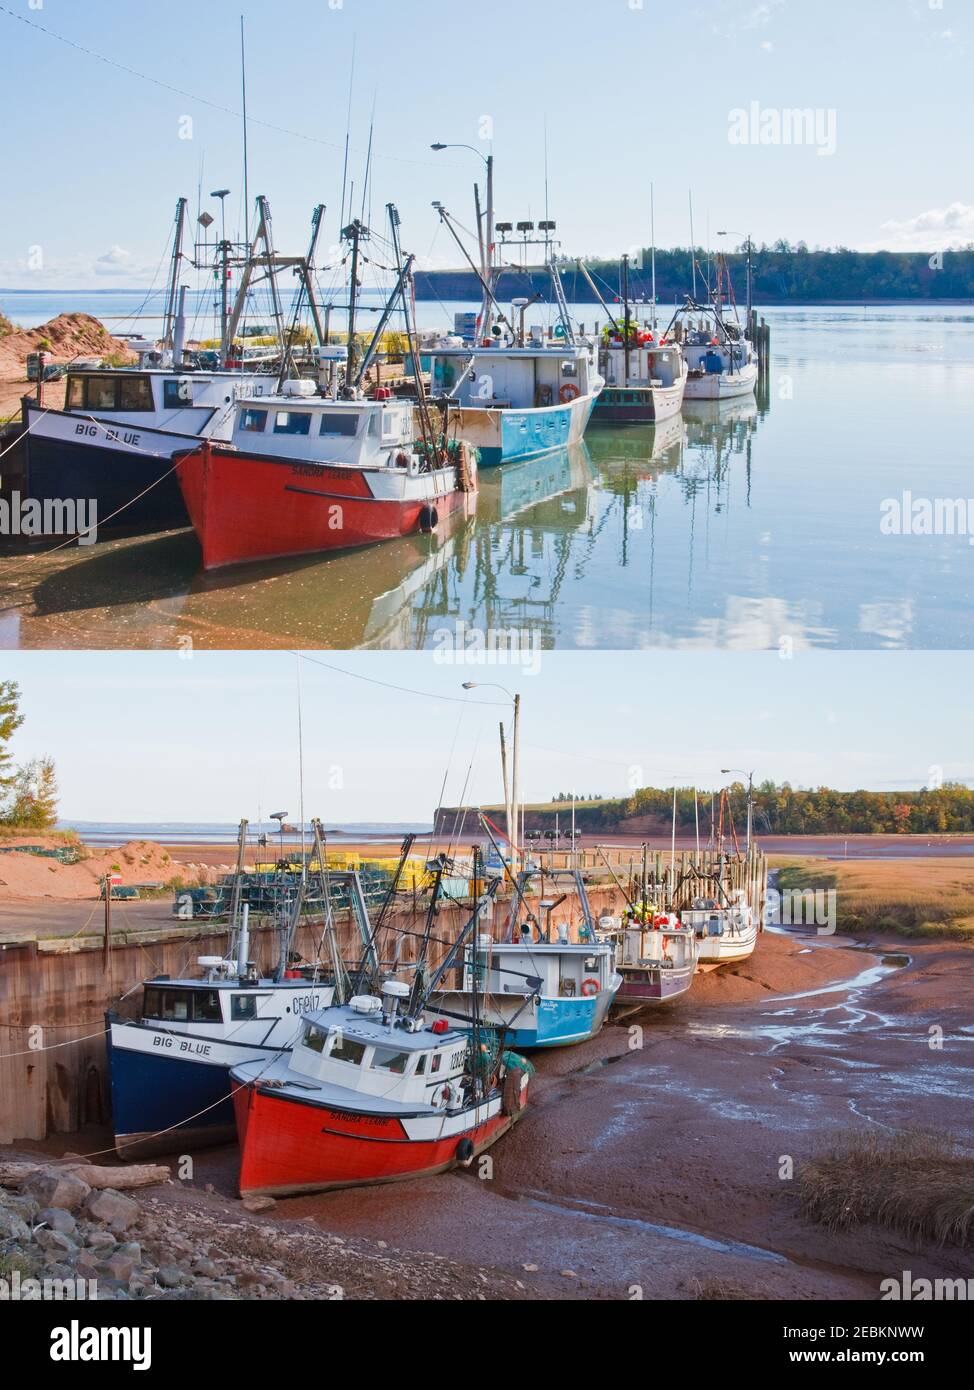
<point x="35" y="794"/>
<point x="10" y="721"/>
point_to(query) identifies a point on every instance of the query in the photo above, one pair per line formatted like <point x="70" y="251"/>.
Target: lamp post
<point x="486" y="242"/>
<point x="750" y="798"/>
<point x="747" y="237"/>
<point x="512" y="809"/>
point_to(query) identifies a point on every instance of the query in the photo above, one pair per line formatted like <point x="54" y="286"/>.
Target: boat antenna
<point x="367" y="185"/>
<point x="246" y="156"/>
<point x="693" y="249"/>
<point x="348" y="128"/>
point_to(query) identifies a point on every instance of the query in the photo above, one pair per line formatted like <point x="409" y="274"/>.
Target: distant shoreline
<point x="761" y="302"/>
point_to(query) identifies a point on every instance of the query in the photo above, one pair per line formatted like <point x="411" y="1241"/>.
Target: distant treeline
<point x="786" y="810"/>
<point x="782" y="274"/>
<point x="778" y="810"/>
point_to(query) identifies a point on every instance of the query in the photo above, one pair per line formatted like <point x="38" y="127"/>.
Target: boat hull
<point x="256" y="507"/>
<point x="546" y="1022"/>
<point x="719" y="950"/>
<point x="638" y="405"/>
<point x="504" y="436"/>
<point x="289" y="1146"/>
<point x="651" y="986"/>
<point x="161" y="1102"/>
<point x="68" y="457"/>
<point x="722" y="386"/>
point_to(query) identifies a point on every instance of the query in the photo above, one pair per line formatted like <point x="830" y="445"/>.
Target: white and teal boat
<point x="516" y="399"/>
<point x="539" y="987"/>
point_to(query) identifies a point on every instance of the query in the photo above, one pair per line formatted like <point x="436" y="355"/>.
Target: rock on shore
<point x="177" y="1243"/>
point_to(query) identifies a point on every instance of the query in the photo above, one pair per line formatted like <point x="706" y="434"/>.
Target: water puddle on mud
<point x="594" y="1211"/>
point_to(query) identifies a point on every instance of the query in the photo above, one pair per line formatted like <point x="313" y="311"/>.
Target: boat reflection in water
<point x="606" y="543"/>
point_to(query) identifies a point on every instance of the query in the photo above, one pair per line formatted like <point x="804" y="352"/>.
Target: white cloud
<point x="937" y="229"/>
<point x="754" y="17"/>
<point x="116" y="266"/>
<point x="115" y="261"/>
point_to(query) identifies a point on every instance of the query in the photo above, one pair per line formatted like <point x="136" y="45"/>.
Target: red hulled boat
<point x="369" y="1095"/>
<point x="305" y="473"/>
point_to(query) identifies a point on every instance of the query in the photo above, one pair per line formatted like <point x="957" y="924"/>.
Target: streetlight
<point x="510" y="796"/>
<point x="486" y="243"/>
<point x="747" y="237"/>
<point x="750" y="792"/>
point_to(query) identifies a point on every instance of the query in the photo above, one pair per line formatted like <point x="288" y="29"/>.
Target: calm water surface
<point x="754" y="524"/>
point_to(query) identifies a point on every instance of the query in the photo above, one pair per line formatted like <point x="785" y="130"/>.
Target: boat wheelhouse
<point x="170" y="1068"/>
<point x="303" y="473"/>
<point x="539" y="987"/>
<point x="515" y="400"/>
<point x="114" y="441"/>
<point x="371" y="1095"/>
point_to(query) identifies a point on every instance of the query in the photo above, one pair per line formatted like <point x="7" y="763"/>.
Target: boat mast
<point x="625" y="308"/>
<point x="652" y="237"/>
<point x="354" y="232"/>
<point x="172" y="293"/>
<point x="238" y="881"/>
<point x="246" y="157"/>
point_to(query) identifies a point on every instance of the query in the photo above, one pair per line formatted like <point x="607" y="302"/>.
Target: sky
<point x="150" y="736"/>
<point x="626" y="93"/>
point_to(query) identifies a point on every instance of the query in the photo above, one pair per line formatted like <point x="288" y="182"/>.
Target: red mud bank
<point x="649" y="1162"/>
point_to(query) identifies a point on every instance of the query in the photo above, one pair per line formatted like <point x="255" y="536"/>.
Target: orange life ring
<point x="568" y="392"/>
<point x="590" y="987"/>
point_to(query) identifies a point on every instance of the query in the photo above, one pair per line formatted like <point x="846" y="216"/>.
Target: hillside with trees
<point x="778" y="810"/>
<point x="783" y="274"/>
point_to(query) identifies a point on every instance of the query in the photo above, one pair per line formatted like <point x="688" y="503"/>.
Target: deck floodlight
<point x="525" y="226"/>
<point x="504" y="226"/>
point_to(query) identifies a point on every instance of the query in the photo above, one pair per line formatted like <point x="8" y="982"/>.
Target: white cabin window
<point x="253" y="421"/>
<point x="292" y="422"/>
<point x="347" y="1050"/>
<point x="385" y="1059"/>
<point x="569" y="369"/>
<point x="390" y="425"/>
<point x="338" y="423"/>
<point x="243" y="1006"/>
<point x="315" y="1038"/>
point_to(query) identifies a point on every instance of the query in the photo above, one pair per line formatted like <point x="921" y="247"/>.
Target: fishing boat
<point x="115" y="441"/>
<point x="645" y="373"/>
<point x="304" y="474"/>
<point x="657" y="956"/>
<point x="517" y="398"/>
<point x="721" y="360"/>
<point x="516" y="391"/>
<point x="375" y="1090"/>
<point x="539" y="986"/>
<point x="170" y="1068"/>
<point x="726" y="930"/>
<point x="322" y="466"/>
